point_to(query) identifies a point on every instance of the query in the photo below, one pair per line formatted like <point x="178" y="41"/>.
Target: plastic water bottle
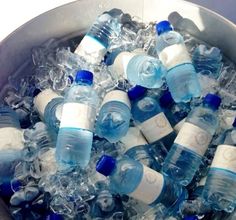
<point x="49" y="106"/>
<point x="140" y="69"/>
<point x="129" y="177"/>
<point x="148" y="115"/>
<point x="219" y="190"/>
<point x="75" y="135"/>
<point x="181" y="76"/>
<point x="114" y="116"/>
<point x="94" y="45"/>
<point x="192" y="141"/>
<point x="11" y="143"/>
<point x="137" y="148"/>
<point x="176" y="113"/>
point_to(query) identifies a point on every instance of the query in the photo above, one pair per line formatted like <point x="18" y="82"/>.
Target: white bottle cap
<point x="42" y="99"/>
<point x="133" y="138"/>
<point x="117" y="95"/>
<point x="121" y="62"/>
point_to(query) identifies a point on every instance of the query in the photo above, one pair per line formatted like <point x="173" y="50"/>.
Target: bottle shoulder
<point x="82" y="94"/>
<point x="145" y="108"/>
<point x="205" y="118"/>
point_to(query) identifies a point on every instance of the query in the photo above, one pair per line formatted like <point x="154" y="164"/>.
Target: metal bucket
<point x="76" y="17"/>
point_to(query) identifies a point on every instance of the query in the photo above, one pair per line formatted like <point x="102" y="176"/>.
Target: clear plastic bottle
<point x="181" y="76"/>
<point x="137" y="148"/>
<point x="219" y="190"/>
<point x="49" y="106"/>
<point x="176" y="113"/>
<point x="192" y="141"/>
<point x="11" y="143"/>
<point x="140" y="69"/>
<point x="114" y="116"/>
<point x="93" y="46"/>
<point x="75" y="136"/>
<point x="129" y="177"/>
<point x="148" y="115"/>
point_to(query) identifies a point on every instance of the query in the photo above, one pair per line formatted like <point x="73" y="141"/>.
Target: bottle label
<point x="91" y="50"/>
<point x="179" y="125"/>
<point x="150" y="186"/>
<point x="77" y="115"/>
<point x="225" y="158"/>
<point x="133" y="138"/>
<point x="11" y="139"/>
<point x="117" y="95"/>
<point x="194" y="138"/>
<point x="174" y="55"/>
<point x="156" y="128"/>
<point x="121" y="62"/>
<point x="42" y="99"/>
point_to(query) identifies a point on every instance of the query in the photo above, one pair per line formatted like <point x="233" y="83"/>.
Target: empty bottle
<point x="148" y="115"/>
<point x="129" y="177"/>
<point x="192" y="141"/>
<point x="75" y="135"/>
<point x="181" y="76"/>
<point x="114" y="116"/>
<point x="175" y="112"/>
<point x="49" y="106"/>
<point x="94" y="45"/>
<point x="11" y="143"/>
<point x="140" y="69"/>
<point x="137" y="148"/>
<point x="219" y="190"/>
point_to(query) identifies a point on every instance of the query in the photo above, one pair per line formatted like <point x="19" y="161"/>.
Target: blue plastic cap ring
<point x="234" y="123"/>
<point x="163" y="26"/>
<point x="136" y="92"/>
<point x="166" y="100"/>
<point x="212" y="100"/>
<point x="84" y="76"/>
<point x="105" y="165"/>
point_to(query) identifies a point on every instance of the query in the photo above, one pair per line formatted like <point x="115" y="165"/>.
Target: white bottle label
<point x="42" y="99"/>
<point x="77" y="115"/>
<point x="91" y="50"/>
<point x="133" y="138"/>
<point x="121" y="62"/>
<point x="179" y="125"/>
<point x="150" y="186"/>
<point x="194" y="138"/>
<point x="225" y="158"/>
<point x="117" y="95"/>
<point x="11" y="139"/>
<point x="156" y="128"/>
<point x="174" y="55"/>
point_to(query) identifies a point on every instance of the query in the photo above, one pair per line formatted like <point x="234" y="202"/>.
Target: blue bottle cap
<point x="105" y="165"/>
<point x="84" y="76"/>
<point x="136" y="92"/>
<point x="163" y="26"/>
<point x="54" y="216"/>
<point x="234" y="123"/>
<point x="166" y="100"/>
<point x="212" y="100"/>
